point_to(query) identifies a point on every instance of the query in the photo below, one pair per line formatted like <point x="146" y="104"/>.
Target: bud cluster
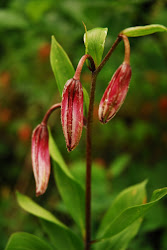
<point x="72" y="115"/>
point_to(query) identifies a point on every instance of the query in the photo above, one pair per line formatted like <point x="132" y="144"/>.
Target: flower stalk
<point x="127" y="48"/>
<point x="49" y="112"/>
<point x="80" y="66"/>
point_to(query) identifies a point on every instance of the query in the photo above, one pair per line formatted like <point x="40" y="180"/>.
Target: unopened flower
<point x="40" y="158"/>
<point x="115" y="93"/>
<point x="72" y="112"/>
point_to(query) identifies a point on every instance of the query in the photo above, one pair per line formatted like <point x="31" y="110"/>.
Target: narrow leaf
<point x="94" y="43"/>
<point x="55" y="228"/>
<point x="143" y="30"/>
<point x="61" y="65"/>
<point x="131" y="214"/>
<point x="70" y="189"/>
<point x="33" y="208"/>
<point x="26" y="241"/>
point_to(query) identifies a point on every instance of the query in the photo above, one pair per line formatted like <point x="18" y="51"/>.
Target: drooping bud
<point x="115" y="93"/>
<point x="72" y="112"/>
<point x="40" y="158"/>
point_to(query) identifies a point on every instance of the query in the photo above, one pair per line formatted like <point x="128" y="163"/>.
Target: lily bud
<point x="115" y="93"/>
<point x="72" y="112"/>
<point x="40" y="158"/>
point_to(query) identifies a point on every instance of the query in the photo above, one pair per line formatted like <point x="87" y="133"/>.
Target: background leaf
<point x="94" y="42"/>
<point x="71" y="191"/>
<point x="11" y="20"/>
<point x="36" y="9"/>
<point x="26" y="241"/>
<point x="119" y="165"/>
<point x="61" y="64"/>
<point x="143" y="30"/>
<point x="57" y="231"/>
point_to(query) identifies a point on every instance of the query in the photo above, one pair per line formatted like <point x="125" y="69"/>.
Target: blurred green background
<point x="130" y="148"/>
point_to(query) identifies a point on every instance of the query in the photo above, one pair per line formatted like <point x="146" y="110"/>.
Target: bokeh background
<point x="130" y="148"/>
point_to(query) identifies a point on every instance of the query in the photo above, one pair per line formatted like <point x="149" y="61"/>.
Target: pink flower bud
<point x="115" y="93"/>
<point x="72" y="113"/>
<point x="40" y="158"/>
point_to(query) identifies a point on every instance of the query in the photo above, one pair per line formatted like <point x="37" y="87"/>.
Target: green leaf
<point x="121" y="240"/>
<point x="143" y="30"/>
<point x="70" y="189"/>
<point x="26" y="241"/>
<point x="33" y="208"/>
<point x="61" y="65"/>
<point x="129" y="197"/>
<point x="94" y="42"/>
<point x="68" y="238"/>
<point x="12" y="20"/>
<point x="131" y="214"/>
<point x="61" y="233"/>
<point x="72" y="194"/>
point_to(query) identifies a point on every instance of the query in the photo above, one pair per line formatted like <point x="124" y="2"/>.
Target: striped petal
<point x="72" y="113"/>
<point x="115" y="93"/>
